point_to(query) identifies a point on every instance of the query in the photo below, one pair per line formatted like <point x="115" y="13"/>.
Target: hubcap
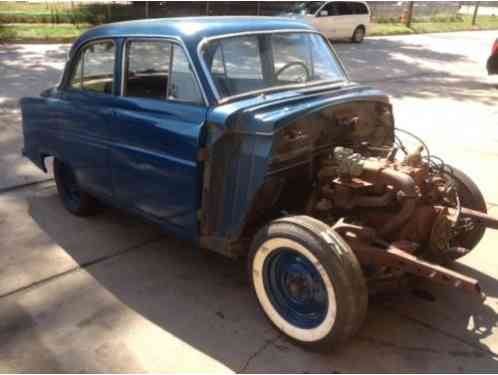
<point x="295" y="288"/>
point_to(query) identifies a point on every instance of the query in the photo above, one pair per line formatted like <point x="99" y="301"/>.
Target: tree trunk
<point x="410" y="14"/>
<point x="474" y="16"/>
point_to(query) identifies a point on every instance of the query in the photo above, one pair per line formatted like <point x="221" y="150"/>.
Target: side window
<point x="182" y="85"/>
<point x="361" y="8"/>
<point x="147" y="64"/>
<point x="95" y="68"/>
<point x="345" y="8"/>
<point x="332" y="8"/>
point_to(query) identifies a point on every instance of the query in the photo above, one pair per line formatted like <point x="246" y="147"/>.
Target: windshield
<point x="307" y="7"/>
<point x="248" y="63"/>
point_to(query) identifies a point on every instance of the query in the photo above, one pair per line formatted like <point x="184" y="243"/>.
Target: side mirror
<point x="324" y="13"/>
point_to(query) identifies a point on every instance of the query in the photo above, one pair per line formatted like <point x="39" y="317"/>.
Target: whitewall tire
<point x="307" y="281"/>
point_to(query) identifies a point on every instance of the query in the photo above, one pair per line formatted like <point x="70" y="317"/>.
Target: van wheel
<point x="76" y="201"/>
<point x="308" y="281"/>
<point x="358" y="35"/>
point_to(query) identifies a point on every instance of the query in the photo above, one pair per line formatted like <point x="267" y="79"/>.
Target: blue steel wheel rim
<point x="295" y="288"/>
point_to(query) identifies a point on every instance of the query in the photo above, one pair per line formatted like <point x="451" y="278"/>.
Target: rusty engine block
<point x="397" y="215"/>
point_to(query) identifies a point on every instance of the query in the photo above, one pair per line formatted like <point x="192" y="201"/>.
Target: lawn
<point x="25" y="32"/>
<point x="38" y="32"/>
<point x="483" y="23"/>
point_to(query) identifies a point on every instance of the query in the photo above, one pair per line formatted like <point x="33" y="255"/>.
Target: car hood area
<point x="266" y="114"/>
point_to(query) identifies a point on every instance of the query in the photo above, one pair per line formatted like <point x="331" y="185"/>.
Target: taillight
<point x="494" y="50"/>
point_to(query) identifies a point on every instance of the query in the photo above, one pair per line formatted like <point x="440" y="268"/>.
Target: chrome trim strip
<point x="220" y="100"/>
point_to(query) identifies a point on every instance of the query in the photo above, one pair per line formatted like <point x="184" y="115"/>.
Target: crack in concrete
<point x="452" y="353"/>
<point x="260" y="350"/>
<point x="26" y="185"/>
<point x="80" y="267"/>
<point x="444" y="333"/>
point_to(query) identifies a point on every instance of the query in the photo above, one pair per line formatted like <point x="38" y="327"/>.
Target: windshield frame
<point x="225" y="99"/>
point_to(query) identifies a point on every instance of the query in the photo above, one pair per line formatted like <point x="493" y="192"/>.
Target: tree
<point x="410" y="14"/>
<point x="474" y="16"/>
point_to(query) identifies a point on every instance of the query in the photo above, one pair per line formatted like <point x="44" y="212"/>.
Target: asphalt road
<point x="113" y="293"/>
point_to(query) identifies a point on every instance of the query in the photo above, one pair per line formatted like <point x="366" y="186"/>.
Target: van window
<point x="332" y="9"/>
<point x="345" y="8"/>
<point x="359" y="8"/>
<point x="95" y="68"/>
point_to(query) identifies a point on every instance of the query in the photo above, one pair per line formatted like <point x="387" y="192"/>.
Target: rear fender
<point x="38" y="130"/>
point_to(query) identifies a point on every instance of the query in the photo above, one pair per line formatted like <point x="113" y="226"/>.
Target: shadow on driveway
<point x="204" y="300"/>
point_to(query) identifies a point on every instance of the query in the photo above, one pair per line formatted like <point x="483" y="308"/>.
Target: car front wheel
<point x="308" y="281"/>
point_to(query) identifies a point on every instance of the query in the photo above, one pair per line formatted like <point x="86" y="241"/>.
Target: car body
<point x="336" y="19"/>
<point x="492" y="64"/>
<point x="245" y="136"/>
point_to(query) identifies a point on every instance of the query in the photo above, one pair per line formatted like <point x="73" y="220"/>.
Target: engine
<point x="404" y="200"/>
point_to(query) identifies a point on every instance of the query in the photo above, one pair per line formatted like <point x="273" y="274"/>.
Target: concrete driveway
<point x="113" y="293"/>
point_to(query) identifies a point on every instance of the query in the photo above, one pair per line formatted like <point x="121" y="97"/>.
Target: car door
<point x="156" y="134"/>
<point x="84" y="109"/>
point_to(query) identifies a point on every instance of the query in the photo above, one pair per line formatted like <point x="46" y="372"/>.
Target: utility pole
<point x="146" y="9"/>
<point x="474" y="16"/>
<point x="410" y="14"/>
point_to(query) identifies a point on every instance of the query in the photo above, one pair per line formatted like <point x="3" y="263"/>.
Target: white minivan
<point x="336" y="19"/>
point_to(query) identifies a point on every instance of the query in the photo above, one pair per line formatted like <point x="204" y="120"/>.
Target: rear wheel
<point x="470" y="197"/>
<point x="308" y="281"/>
<point x="73" y="198"/>
<point x="358" y="34"/>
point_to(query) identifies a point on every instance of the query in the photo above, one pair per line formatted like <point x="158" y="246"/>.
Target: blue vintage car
<point x="246" y="137"/>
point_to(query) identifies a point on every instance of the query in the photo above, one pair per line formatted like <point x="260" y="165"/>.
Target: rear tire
<point x="73" y="198"/>
<point x="358" y="34"/>
<point x="308" y="282"/>
<point x="470" y="197"/>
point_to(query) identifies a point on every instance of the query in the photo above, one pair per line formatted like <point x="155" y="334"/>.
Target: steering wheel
<point x="293" y="63"/>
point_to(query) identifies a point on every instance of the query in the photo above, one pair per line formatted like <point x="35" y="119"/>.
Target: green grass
<point x="65" y="12"/>
<point x="41" y="32"/>
<point x="66" y="32"/>
<point x="463" y="23"/>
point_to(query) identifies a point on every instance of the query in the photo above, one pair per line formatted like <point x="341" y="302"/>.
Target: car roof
<point x="192" y="29"/>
